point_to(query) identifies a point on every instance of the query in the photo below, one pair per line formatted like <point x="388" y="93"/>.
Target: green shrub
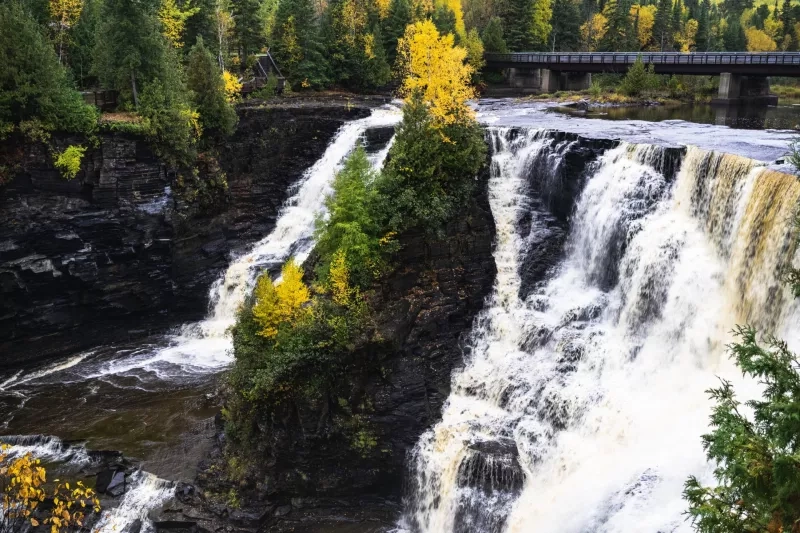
<point x="639" y="80"/>
<point x="69" y="161"/>
<point x="269" y="90"/>
<point x="352" y="225"/>
<point x="431" y="171"/>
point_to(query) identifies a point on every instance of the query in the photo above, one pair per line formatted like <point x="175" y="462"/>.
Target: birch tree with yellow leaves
<point x="436" y="70"/>
<point x="64" y="14"/>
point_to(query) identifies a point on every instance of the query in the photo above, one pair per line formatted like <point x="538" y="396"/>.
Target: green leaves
<point x="756" y="449"/>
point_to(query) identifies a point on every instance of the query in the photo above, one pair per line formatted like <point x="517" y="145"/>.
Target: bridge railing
<point x="656" y="58"/>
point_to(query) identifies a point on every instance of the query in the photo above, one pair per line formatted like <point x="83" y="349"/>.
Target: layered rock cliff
<point x="113" y="254"/>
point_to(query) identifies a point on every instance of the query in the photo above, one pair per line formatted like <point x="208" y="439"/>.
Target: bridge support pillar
<point x="576" y="81"/>
<point x="737" y="90"/>
<point x="550" y="81"/>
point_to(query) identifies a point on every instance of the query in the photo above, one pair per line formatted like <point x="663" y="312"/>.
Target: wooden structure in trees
<point x="264" y="69"/>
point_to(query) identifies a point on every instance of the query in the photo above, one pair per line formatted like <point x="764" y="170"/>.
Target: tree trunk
<point x="133" y="88"/>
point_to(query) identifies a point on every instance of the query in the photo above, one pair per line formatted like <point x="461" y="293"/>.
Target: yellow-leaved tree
<point x="593" y="31"/>
<point x="647" y="19"/>
<point x="686" y="36"/>
<point x="64" y="14"/>
<point x="23" y="489"/>
<point x="759" y="41"/>
<point x="233" y="87"/>
<point x="173" y="20"/>
<point x="282" y="303"/>
<point x="433" y="67"/>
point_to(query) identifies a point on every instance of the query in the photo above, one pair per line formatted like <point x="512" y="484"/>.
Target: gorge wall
<point x="343" y="458"/>
<point x="112" y="255"/>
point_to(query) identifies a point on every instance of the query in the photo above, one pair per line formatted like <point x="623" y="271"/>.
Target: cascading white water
<point x="206" y="346"/>
<point x="591" y="389"/>
<point x="143" y="493"/>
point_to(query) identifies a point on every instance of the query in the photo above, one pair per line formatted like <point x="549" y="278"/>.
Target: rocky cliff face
<point x="111" y="255"/>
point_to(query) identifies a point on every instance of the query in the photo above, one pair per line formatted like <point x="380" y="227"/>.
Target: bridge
<point x="743" y="74"/>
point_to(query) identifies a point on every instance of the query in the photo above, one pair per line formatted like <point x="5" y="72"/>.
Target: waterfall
<point x="206" y="346"/>
<point x="581" y="403"/>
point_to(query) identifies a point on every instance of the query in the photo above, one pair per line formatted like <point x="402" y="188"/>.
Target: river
<point x="591" y="387"/>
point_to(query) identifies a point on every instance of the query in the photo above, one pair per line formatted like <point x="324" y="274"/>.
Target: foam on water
<point x="581" y="406"/>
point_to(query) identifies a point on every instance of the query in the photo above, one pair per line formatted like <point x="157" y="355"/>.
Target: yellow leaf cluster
<point x="22" y="489"/>
<point x="383" y="7"/>
<point x="233" y="87"/>
<point x="282" y="303"/>
<point x="758" y="41"/>
<point x="436" y="69"/>
<point x="647" y="19"/>
<point x="66" y="12"/>
<point x="339" y="280"/>
<point x="173" y="20"/>
<point x="593" y="31"/>
<point x="686" y="36"/>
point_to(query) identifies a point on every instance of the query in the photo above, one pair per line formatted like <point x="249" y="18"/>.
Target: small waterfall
<point x="581" y="403"/>
<point x="144" y="492"/>
<point x="205" y="346"/>
<point x="47" y="448"/>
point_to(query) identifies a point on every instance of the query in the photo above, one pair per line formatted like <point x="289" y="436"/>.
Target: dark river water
<point x="785" y="116"/>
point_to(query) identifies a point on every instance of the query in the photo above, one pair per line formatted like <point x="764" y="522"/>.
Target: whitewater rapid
<point x="581" y="405"/>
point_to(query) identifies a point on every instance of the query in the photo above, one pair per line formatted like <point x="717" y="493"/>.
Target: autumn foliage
<point x="28" y="500"/>
<point x="436" y="70"/>
<point x="282" y="303"/>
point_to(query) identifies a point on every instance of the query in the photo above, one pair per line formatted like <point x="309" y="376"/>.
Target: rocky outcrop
<point x="114" y="253"/>
<point x="342" y="458"/>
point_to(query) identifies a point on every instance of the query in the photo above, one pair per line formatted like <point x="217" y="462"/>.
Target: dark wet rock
<point x="134" y="527"/>
<point x="342" y="459"/>
<point x="111" y="482"/>
<point x="116" y="254"/>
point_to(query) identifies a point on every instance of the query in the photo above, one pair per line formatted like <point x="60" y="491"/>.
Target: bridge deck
<point x="744" y="63"/>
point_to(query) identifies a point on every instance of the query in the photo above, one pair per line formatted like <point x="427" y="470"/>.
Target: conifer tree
<point x="296" y="44"/>
<point x="445" y="20"/>
<point x="204" y="79"/>
<point x="248" y="27"/>
<point x="394" y="26"/>
<point x="734" y="38"/>
<point x="619" y="32"/>
<point x="129" y="47"/>
<point x="703" y="27"/>
<point x="493" y="41"/>
<point x="517" y="25"/>
<point x="81" y="54"/>
<point x="565" y="35"/>
<point x="787" y="18"/>
<point x="34" y="87"/>
<point x="662" y="27"/>
<point x="202" y="24"/>
<point x="676" y="24"/>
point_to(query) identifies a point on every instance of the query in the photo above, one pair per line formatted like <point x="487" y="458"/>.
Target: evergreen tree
<point x="565" y="35"/>
<point x="788" y="20"/>
<point x="394" y="26"/>
<point x="129" y="48"/>
<point x="81" y="55"/>
<point x="445" y="19"/>
<point x="493" y="41"/>
<point x="202" y="24"/>
<point x="676" y="24"/>
<point x="734" y="37"/>
<point x="35" y="93"/>
<point x="760" y="16"/>
<point x="619" y="32"/>
<point x="517" y="25"/>
<point x="204" y="79"/>
<point x="754" y="446"/>
<point x="662" y="27"/>
<point x="248" y="26"/>
<point x="702" y="40"/>
<point x="296" y="44"/>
